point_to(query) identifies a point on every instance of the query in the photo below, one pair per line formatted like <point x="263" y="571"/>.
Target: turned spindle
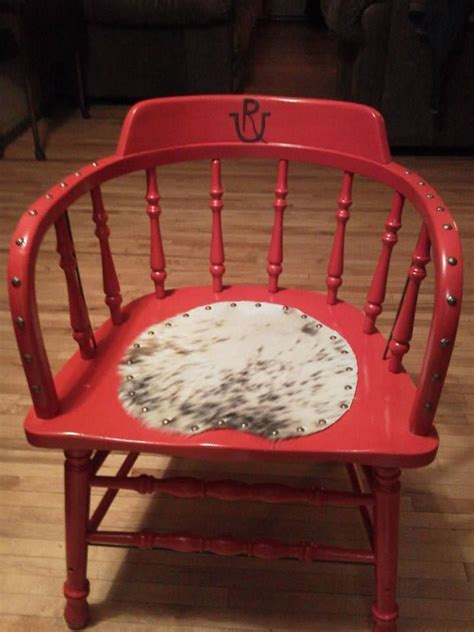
<point x="336" y="260"/>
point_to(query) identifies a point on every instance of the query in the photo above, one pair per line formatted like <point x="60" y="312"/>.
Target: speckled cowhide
<point x="254" y="367"/>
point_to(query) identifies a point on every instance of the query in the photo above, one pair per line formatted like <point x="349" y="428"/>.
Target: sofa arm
<point x="345" y="17"/>
<point x="363" y="28"/>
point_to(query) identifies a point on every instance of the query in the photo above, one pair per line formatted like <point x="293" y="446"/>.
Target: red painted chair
<point x="241" y="372"/>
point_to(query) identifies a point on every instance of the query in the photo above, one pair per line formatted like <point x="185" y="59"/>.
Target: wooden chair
<point x="243" y="372"/>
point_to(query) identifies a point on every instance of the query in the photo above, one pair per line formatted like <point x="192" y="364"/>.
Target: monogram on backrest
<point x="343" y="136"/>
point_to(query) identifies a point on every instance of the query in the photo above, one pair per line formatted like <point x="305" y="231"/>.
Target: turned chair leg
<point x="77" y="499"/>
<point x="387" y="513"/>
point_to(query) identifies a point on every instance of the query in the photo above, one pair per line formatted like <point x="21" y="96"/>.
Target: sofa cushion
<point x="153" y="13"/>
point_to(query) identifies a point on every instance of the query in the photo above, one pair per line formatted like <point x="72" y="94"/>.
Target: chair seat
<point x="183" y="376"/>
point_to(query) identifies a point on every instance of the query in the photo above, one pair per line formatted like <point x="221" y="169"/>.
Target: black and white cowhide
<point x="254" y="367"/>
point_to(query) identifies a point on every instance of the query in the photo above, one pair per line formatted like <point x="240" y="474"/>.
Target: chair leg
<point x="387" y="513"/>
<point x="77" y="500"/>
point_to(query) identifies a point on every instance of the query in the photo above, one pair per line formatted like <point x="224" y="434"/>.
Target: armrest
<point x="25" y="245"/>
<point x="205" y="127"/>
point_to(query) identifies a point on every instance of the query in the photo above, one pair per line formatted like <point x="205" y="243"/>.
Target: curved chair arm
<point x="144" y="144"/>
<point x="448" y="267"/>
<point x="25" y="244"/>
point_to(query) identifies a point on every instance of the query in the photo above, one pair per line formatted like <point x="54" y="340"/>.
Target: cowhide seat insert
<point x="261" y="368"/>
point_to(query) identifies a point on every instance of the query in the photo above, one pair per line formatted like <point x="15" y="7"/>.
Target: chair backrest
<point x="340" y="135"/>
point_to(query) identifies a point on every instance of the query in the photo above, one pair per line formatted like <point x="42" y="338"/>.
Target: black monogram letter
<point x="250" y="107"/>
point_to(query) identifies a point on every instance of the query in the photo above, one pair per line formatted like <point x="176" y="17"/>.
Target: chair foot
<point x="76" y="612"/>
<point x="384" y="622"/>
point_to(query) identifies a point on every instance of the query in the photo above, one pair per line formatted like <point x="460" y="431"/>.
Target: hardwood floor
<point x="136" y="591"/>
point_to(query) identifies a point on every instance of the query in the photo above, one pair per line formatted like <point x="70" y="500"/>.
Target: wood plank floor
<point x="138" y="591"/>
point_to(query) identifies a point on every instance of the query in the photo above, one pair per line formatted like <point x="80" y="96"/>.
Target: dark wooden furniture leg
<point x="81" y="91"/>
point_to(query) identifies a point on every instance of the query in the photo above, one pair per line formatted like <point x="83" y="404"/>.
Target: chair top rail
<point x="334" y="126"/>
<point x="442" y="230"/>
